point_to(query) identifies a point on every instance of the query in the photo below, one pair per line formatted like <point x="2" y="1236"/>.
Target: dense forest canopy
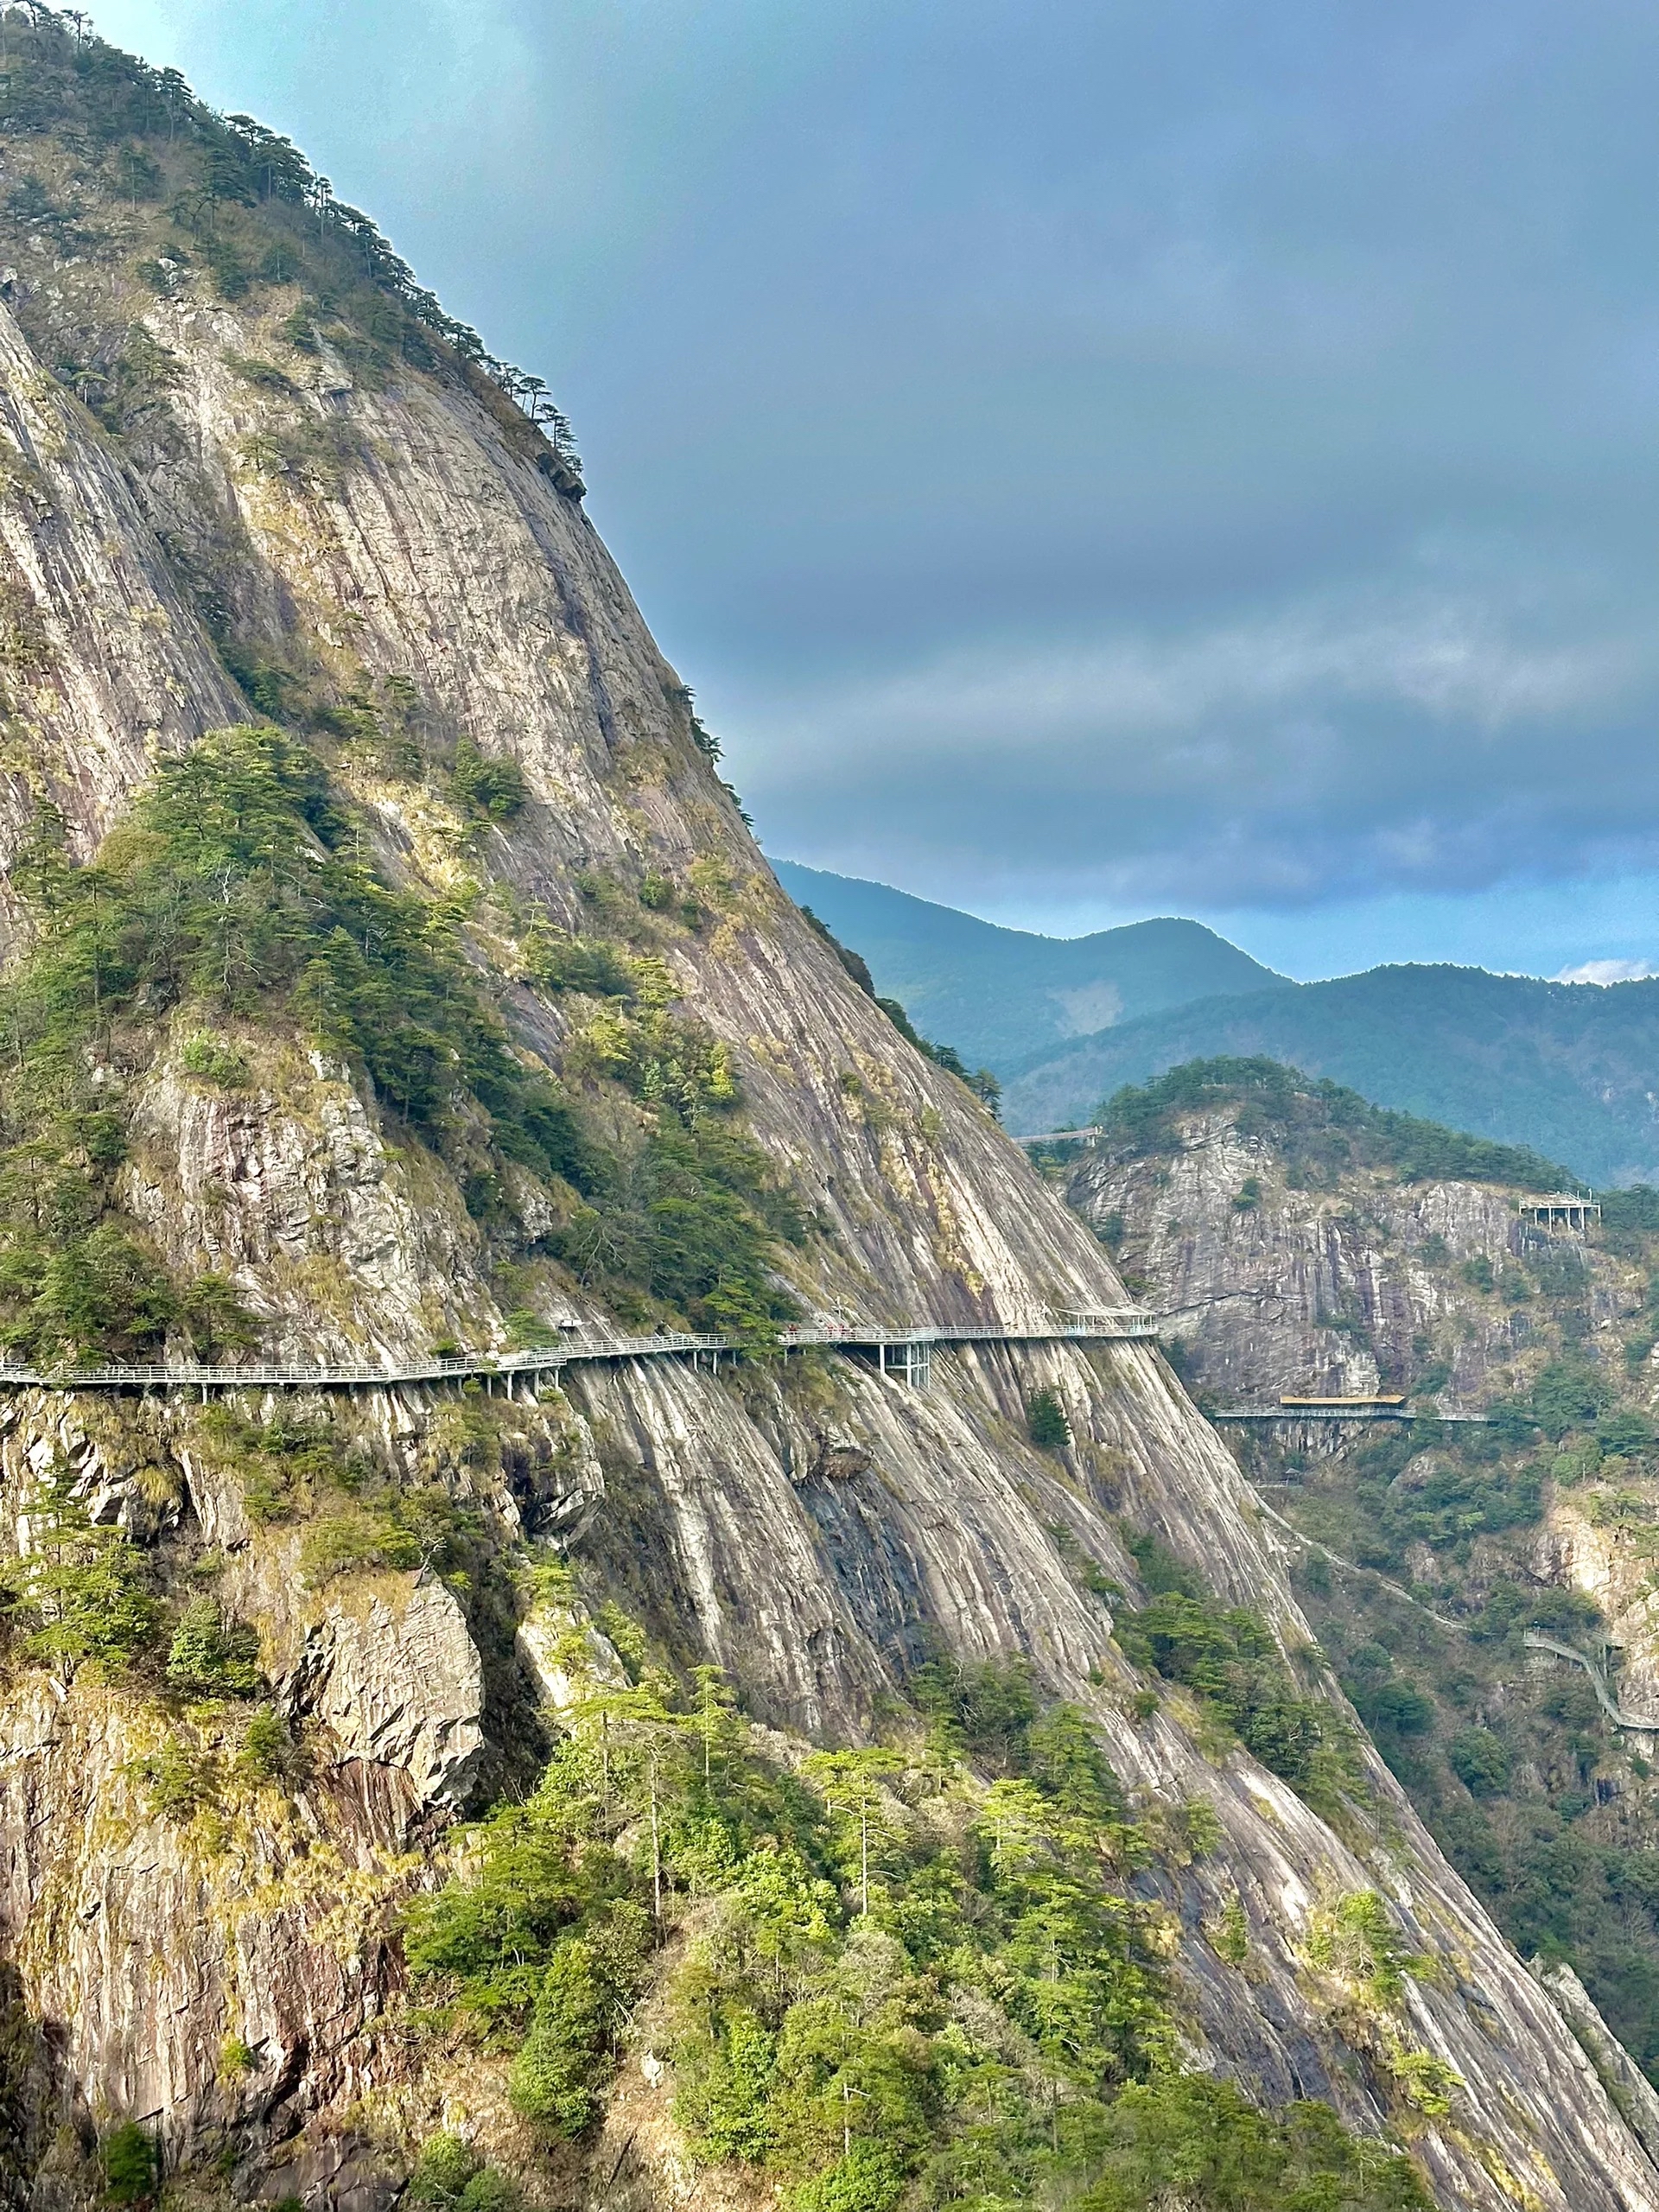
<point x="1307" y="1116"/>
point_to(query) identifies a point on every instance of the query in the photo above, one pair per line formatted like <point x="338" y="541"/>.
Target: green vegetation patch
<point x="79" y="1594"/>
<point x="1229" y="1657"/>
<point x="1321" y="1129"/>
<point x="1507" y="1756"/>
<point x="877" y="1976"/>
<point x="357" y="1513"/>
<point x="229" y="889"/>
<point x="237" y="890"/>
<point x="83" y="1596"/>
<point x="1441" y="1486"/>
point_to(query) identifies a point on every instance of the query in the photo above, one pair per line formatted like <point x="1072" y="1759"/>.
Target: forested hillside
<point x="1566" y="1068"/>
<point x="999" y="994"/>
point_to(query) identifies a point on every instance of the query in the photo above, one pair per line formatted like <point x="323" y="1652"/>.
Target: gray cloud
<point x="1317" y="748"/>
<point x="1196" y="455"/>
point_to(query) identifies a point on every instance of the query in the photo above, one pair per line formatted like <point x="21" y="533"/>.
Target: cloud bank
<point x="1097" y="456"/>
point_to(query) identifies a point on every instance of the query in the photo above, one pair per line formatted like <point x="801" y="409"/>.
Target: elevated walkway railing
<point x="1224" y="1416"/>
<point x="1107" y="1326"/>
<point x="1535" y="1639"/>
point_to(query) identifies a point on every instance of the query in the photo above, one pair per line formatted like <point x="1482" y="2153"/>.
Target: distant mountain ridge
<point x="1570" y="1069"/>
<point x="1000" y="995"/>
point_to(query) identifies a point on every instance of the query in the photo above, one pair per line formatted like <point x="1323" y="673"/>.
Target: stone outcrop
<point x="1336" y="1291"/>
<point x="399" y="1684"/>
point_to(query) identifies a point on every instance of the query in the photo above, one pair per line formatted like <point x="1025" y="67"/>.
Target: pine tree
<point x="1045" y="1421"/>
<point x="80" y="1584"/>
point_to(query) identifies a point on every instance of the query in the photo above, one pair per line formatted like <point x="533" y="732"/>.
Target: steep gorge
<point x="1303" y="1243"/>
<point x="243" y="484"/>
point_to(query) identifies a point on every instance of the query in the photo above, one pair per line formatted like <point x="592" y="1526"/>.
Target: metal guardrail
<point x="1287" y="1414"/>
<point x="1534" y="1640"/>
<point x="1109" y="1326"/>
<point x="1294" y="1414"/>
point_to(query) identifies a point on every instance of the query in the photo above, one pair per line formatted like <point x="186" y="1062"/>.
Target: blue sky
<point x="1090" y="460"/>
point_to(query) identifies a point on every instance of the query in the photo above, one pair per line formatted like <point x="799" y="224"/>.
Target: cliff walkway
<point x="903" y="1354"/>
<point x="1536" y="1640"/>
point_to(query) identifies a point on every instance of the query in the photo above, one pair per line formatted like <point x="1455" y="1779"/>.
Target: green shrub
<point x="212" y="1655"/>
<point x="1456" y="1501"/>
<point x="1625" y="1434"/>
<point x="1160" y="1569"/>
<point x="236" y="2059"/>
<point x="179" y="1779"/>
<point x="574" y="963"/>
<point x="450" y="2176"/>
<point x="1400" y="1705"/>
<point x="869" y="2178"/>
<point x="444" y="2166"/>
<point x="131" y="2162"/>
<point x="214" y="1318"/>
<point x="1481" y="1761"/>
<point x="489" y="2190"/>
<point x="1633" y="1210"/>
<point x="1512" y="1424"/>
<point x="1195" y="2139"/>
<point x="273" y="691"/>
<point x="492" y="785"/>
<point x="354" y="1540"/>
<point x="263" y="376"/>
<point x="214" y="1061"/>
<point x="694" y="1217"/>
<point x="102" y="1290"/>
<point x="560" y="2068"/>
<point x="725" y="2103"/>
<point x="1045" y="1421"/>
<point x="1569" y="1394"/>
<point x="267" y="1750"/>
<point x="982" y="1712"/>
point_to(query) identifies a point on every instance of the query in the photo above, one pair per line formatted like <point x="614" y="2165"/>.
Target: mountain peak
<point x="999" y="994"/>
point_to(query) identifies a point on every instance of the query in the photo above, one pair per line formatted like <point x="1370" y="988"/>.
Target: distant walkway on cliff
<point x="1536" y="1640"/>
<point x="906" y="1355"/>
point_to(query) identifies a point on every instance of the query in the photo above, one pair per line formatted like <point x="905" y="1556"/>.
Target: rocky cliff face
<point x="201" y="1922"/>
<point x="1282" y="1274"/>
<point x="1359" y="1282"/>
